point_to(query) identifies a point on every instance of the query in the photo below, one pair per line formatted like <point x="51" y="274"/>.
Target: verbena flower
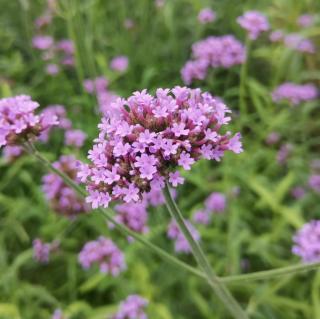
<point x="216" y="203"/>
<point x="42" y="42"/>
<point x="150" y="138"/>
<point x="181" y="244"/>
<point x="75" y="138"/>
<point x="58" y="314"/>
<point x="307" y="242"/>
<point x="206" y="15"/>
<point x="201" y="217"/>
<point x="132" y="215"/>
<point x="104" y="253"/>
<point x="298" y="192"/>
<point x="12" y="152"/>
<point x="297" y="42"/>
<point x="314" y="182"/>
<point x="276" y="36"/>
<point x="63" y="199"/>
<point x="41" y="251"/>
<point x="133" y="307"/>
<point x="284" y="153"/>
<point x="306" y="20"/>
<point x="295" y="93"/>
<point x="52" y="69"/>
<point x="254" y="22"/>
<point x="18" y="121"/>
<point x="119" y="63"/>
<point x="212" y="52"/>
<point x="273" y="138"/>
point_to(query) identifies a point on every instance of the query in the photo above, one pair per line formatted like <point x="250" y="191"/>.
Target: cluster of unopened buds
<point x="141" y="146"/>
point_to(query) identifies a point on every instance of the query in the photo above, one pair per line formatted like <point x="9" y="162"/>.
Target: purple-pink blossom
<point x="307" y="242"/>
<point x="12" y="152"/>
<point x="143" y="149"/>
<point x="75" y="138"/>
<point x="58" y="314"/>
<point x="62" y="198"/>
<point x="284" y="153"/>
<point x="273" y="138"/>
<point x="42" y="42"/>
<point x="297" y="42"/>
<point x="41" y="251"/>
<point x="181" y="244"/>
<point x="254" y="22"/>
<point x="212" y="52"/>
<point x="295" y="93"/>
<point x="276" y="36"/>
<point x="314" y="182"/>
<point x="216" y="203"/>
<point x="18" y="121"/>
<point x="133" y="307"/>
<point x="119" y="63"/>
<point x="298" y="192"/>
<point x="206" y="15"/>
<point x="104" y="253"/>
<point x="306" y="20"/>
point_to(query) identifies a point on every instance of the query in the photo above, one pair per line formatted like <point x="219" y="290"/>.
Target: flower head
<point x="142" y="149"/>
<point x="297" y="42"/>
<point x="75" y="138"/>
<point x="18" y="121"/>
<point x="62" y="198"/>
<point x="216" y="202"/>
<point x="307" y="242"/>
<point x="41" y="251"/>
<point x="254" y="22"/>
<point x="105" y="254"/>
<point x="206" y="15"/>
<point x="132" y="308"/>
<point x="306" y="20"/>
<point x="314" y="182"/>
<point x="119" y="63"/>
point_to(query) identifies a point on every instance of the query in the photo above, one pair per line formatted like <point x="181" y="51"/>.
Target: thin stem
<point x="218" y="287"/>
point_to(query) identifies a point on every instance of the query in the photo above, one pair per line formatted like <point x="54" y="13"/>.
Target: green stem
<point x="261" y="275"/>
<point x="218" y="287"/>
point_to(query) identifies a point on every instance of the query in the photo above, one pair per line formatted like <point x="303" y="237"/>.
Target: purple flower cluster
<point x="298" y="192"/>
<point x="181" y="244"/>
<point x="206" y="15"/>
<point x="307" y="242"/>
<point x="273" y="138"/>
<point x="46" y="17"/>
<point x="119" y="63"/>
<point x="55" y="111"/>
<point x="284" y="153"/>
<point x="105" y="254"/>
<point x="105" y="98"/>
<point x="63" y="199"/>
<point x="306" y="20"/>
<point x="297" y="42"/>
<point x="132" y="215"/>
<point x="314" y="182"/>
<point x="75" y="138"/>
<point x="151" y="137"/>
<point x="276" y="36"/>
<point x="215" y="203"/>
<point x="295" y="93"/>
<point x="12" y="152"/>
<point x="58" y="314"/>
<point x="254" y="22"/>
<point x="18" y="121"/>
<point x="224" y="51"/>
<point x="41" y="251"/>
<point x="133" y="307"/>
<point x="54" y="53"/>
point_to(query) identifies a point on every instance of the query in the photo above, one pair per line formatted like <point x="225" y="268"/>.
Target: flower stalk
<point x="218" y="287"/>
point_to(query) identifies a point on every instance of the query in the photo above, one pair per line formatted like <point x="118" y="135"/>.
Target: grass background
<point x="256" y="231"/>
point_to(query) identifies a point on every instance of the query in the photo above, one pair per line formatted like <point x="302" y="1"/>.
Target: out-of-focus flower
<point x="307" y="242"/>
<point x="297" y="42"/>
<point x="42" y="42"/>
<point x="314" y="182"/>
<point x="41" y="251"/>
<point x="181" y="243"/>
<point x="224" y="51"/>
<point x="254" y="22"/>
<point x="159" y="3"/>
<point x="295" y="93"/>
<point x="52" y="69"/>
<point x="128" y="24"/>
<point x="283" y="153"/>
<point x="62" y="198"/>
<point x="105" y="254"/>
<point x="12" y="152"/>
<point x="306" y="20"/>
<point x="132" y="215"/>
<point x="119" y="63"/>
<point x="149" y="138"/>
<point x="273" y="138"/>
<point x="206" y="15"/>
<point x="276" y="36"/>
<point x="298" y="192"/>
<point x="132" y="308"/>
<point x="66" y="46"/>
<point x="75" y="138"/>
<point x="216" y="202"/>
<point x="201" y="217"/>
<point x="18" y="122"/>
<point x="58" y="314"/>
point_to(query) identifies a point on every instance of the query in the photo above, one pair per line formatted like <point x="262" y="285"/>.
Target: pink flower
<point x="75" y="138"/>
<point x="206" y="15"/>
<point x="254" y="22"/>
<point x="119" y="63"/>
